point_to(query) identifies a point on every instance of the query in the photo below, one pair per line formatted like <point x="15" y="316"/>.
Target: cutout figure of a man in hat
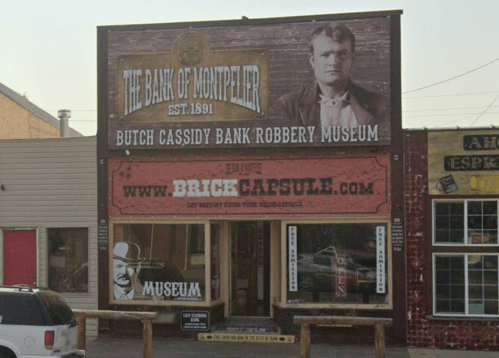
<point x="126" y="267"/>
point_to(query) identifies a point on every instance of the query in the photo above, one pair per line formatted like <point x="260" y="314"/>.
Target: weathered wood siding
<point x="286" y="46"/>
<point x="52" y="183"/>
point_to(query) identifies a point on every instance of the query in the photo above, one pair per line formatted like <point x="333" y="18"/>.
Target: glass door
<point x="250" y="268"/>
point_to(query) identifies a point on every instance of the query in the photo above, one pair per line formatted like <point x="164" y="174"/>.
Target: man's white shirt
<point x="337" y="112"/>
<point x="123" y="296"/>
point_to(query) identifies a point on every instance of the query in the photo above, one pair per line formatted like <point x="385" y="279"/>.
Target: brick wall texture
<point x="18" y="123"/>
<point x="422" y="329"/>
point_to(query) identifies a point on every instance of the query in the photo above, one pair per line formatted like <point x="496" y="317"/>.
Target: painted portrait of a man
<point x="332" y="101"/>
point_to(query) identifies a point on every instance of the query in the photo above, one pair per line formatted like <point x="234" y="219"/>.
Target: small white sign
<point x="380" y="259"/>
<point x="293" y="258"/>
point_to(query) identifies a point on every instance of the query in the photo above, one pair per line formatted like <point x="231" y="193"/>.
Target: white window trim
<point x="63" y="293"/>
<point x="465" y="243"/>
<point x="466" y="296"/>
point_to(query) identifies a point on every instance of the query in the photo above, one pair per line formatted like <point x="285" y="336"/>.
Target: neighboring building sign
<point x="463" y="162"/>
<point x="347" y="185"/>
<point x="254" y="86"/>
<point x="195" y="321"/>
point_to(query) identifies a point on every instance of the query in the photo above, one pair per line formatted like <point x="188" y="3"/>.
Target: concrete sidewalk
<point x="449" y="353"/>
<point x="186" y="348"/>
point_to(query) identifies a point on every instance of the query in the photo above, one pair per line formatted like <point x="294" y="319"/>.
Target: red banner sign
<point x="243" y="187"/>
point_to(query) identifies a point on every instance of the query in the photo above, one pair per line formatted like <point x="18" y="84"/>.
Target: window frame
<point x="352" y="221"/>
<point x="207" y="297"/>
<point x="461" y="249"/>
<point x="47" y="240"/>
<point x="466" y="284"/>
<point x="465" y="242"/>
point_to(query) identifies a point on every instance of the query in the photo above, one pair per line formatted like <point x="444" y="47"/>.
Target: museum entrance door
<point x="250" y="268"/>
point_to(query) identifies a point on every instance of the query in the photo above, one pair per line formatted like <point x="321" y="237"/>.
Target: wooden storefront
<point x="213" y="198"/>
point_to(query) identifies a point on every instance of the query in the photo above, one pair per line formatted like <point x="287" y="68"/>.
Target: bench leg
<point x="305" y="340"/>
<point x="379" y="341"/>
<point x="82" y="332"/>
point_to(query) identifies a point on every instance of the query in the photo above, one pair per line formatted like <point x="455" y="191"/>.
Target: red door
<point x="19" y="257"/>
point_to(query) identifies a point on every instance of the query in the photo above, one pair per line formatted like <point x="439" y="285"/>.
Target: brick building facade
<point x="470" y="322"/>
<point x="21" y="119"/>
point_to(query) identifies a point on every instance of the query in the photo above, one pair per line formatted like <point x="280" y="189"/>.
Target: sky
<point x="450" y="50"/>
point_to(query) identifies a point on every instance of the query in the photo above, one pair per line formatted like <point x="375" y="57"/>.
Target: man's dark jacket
<point x="302" y="107"/>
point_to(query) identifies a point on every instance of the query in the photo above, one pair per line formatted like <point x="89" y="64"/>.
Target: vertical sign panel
<point x="292" y="259"/>
<point x="380" y="259"/>
<point x="341" y="276"/>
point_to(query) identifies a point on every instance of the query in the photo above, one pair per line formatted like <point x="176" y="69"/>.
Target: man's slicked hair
<point x="336" y="32"/>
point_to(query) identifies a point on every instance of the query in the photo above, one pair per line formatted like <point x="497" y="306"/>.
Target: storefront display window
<point x="337" y="263"/>
<point x="159" y="262"/>
<point x="68" y="259"/>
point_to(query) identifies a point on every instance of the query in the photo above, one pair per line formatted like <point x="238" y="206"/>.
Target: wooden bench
<point x="379" y="325"/>
<point x="146" y="317"/>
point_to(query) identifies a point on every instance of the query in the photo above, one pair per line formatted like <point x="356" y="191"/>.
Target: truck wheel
<point x="5" y="353"/>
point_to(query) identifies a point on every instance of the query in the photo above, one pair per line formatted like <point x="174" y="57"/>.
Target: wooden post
<point x="378" y="324"/>
<point x="379" y="340"/>
<point x="305" y="340"/>
<point x="82" y="332"/>
<point x="147" y="338"/>
<point x="146" y="318"/>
